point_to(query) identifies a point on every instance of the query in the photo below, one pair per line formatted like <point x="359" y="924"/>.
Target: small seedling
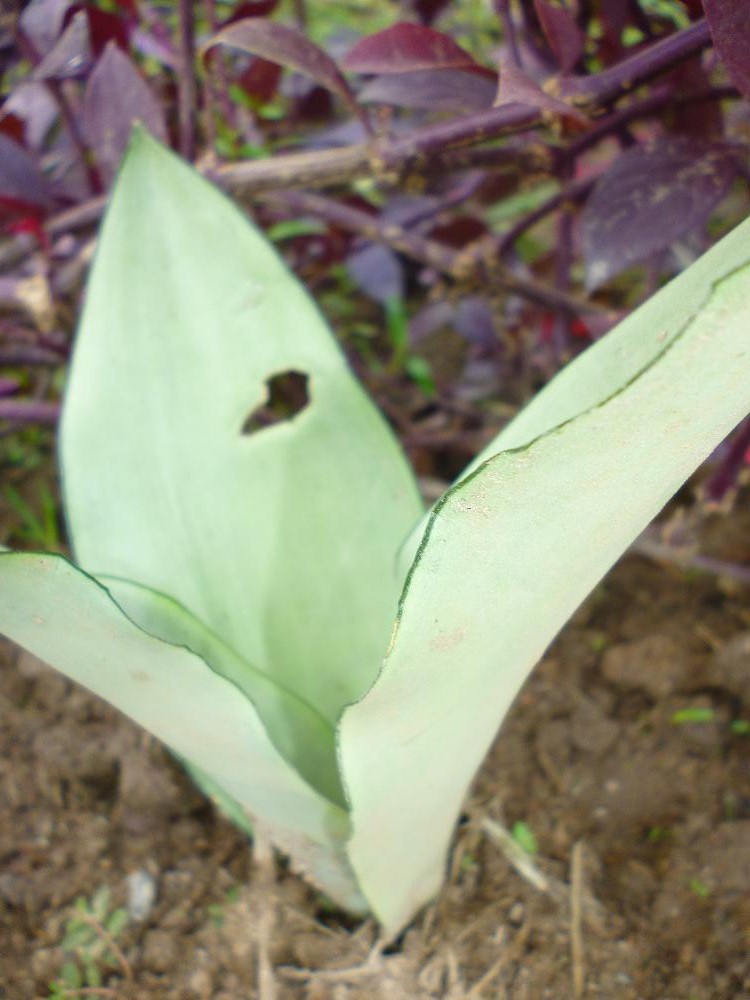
<point x="598" y="642"/>
<point x="696" y="714"/>
<point x="699" y="888"/>
<point x="525" y="838"/>
<point x="217" y="911"/>
<point x="658" y="834"/>
<point x="90" y="942"/>
<point x="39" y="529"/>
<point x="468" y="862"/>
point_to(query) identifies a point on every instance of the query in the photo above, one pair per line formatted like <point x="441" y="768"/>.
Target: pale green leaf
<point x="612" y="362"/>
<point x="511" y="551"/>
<point x="70" y="621"/>
<point x="298" y="731"/>
<point x="282" y="542"/>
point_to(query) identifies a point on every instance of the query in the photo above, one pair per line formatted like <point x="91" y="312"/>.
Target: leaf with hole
<point x="257" y="583"/>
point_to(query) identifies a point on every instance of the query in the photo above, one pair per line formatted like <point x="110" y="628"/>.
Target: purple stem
<point x="645" y="108"/>
<point x="563" y="260"/>
<point x="28" y="354"/>
<point x="300" y="14"/>
<point x="509" y="30"/>
<point x="573" y="192"/>
<point x="186" y="98"/>
<point x="638" y="69"/>
<point x="29" y="411"/>
<point x="217" y="71"/>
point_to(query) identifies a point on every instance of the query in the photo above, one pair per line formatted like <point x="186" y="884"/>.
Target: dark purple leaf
<point x="70" y="56"/>
<point x="314" y="105"/>
<point x="434" y="316"/>
<point x="42" y="21"/>
<point x="517" y="87"/>
<point x="21" y="179"/>
<point x="436" y="90"/>
<point x="104" y="27"/>
<point x="150" y="44"/>
<point x="409" y="210"/>
<point x="729" y="21"/>
<point x="699" y="119"/>
<point x="289" y="48"/>
<point x="261" y="80"/>
<point x="116" y="97"/>
<point x="649" y="198"/>
<point x="377" y="271"/>
<point x="13" y="126"/>
<point x="563" y="35"/>
<point x="33" y="103"/>
<point x="428" y="10"/>
<point x="475" y="322"/>
<point x="406" y="48"/>
<point x="617" y="16"/>
<point x="459" y="231"/>
<point x="733" y="458"/>
<point x="345" y="133"/>
<point x="255" y="8"/>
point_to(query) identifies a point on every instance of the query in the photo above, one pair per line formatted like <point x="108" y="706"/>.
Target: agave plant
<point x="256" y="581"/>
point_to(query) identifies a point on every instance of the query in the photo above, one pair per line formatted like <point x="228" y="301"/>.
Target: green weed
<point x="90" y="945"/>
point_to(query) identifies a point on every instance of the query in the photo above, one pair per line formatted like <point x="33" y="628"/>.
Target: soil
<point x="625" y="756"/>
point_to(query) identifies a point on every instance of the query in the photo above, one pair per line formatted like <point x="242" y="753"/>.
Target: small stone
<point x="657" y="665"/>
<point x="12" y="889"/>
<point x="730" y="667"/>
<point x="590" y="729"/>
<point x="199" y="984"/>
<point x="141" y="894"/>
<point x="159" y="951"/>
<point x="44" y="963"/>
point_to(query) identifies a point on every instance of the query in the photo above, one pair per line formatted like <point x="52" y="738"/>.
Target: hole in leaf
<point x="287" y="394"/>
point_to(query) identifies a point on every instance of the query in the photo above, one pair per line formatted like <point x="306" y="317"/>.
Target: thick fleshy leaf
<point x="70" y="621"/>
<point x="435" y="90"/>
<point x="650" y="197"/>
<point x="298" y="732"/>
<point x="215" y="446"/>
<point x="290" y="48"/>
<point x="730" y="30"/>
<point x="116" y="97"/>
<point x="407" y="47"/>
<point x="560" y="29"/>
<point x="514" y="547"/>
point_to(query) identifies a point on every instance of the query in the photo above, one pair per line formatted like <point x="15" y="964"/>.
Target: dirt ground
<point x="626" y="758"/>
